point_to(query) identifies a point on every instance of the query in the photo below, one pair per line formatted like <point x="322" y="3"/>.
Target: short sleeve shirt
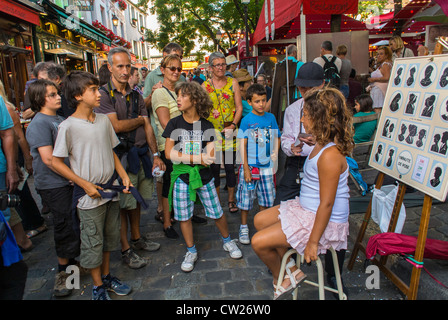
<point x="5" y="124"/>
<point x="123" y="108"/>
<point x="89" y="147"/>
<point x="260" y="132"/>
<point x="162" y="98"/>
<point x="41" y="132"/>
<point x="191" y="139"/>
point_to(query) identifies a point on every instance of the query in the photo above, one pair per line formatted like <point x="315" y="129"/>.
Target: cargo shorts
<point x="100" y="232"/>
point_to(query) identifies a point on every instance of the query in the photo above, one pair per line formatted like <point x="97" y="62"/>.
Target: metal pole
<point x="247" y="31"/>
<point x="287" y="75"/>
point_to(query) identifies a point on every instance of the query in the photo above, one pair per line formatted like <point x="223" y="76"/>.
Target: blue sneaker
<point x="114" y="284"/>
<point x="100" y="293"/>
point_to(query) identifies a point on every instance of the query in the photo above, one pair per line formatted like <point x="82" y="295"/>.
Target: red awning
<point x="286" y="21"/>
<point x="330" y="7"/>
<point x="444" y="5"/>
<point x="19" y="11"/>
<point x="274" y="15"/>
<point x="404" y="17"/>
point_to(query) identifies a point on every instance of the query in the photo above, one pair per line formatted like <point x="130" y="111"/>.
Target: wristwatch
<point x="157" y="154"/>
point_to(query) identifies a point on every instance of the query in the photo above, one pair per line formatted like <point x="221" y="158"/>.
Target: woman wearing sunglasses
<point x="225" y="115"/>
<point x="164" y="108"/>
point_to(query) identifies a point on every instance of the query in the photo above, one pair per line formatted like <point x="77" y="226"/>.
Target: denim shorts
<point x="100" y="232"/>
<point x="264" y="190"/>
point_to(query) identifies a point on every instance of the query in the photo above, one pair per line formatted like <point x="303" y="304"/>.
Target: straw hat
<point x="231" y="59"/>
<point x="242" y="75"/>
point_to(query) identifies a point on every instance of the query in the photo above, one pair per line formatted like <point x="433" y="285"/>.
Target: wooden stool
<point x="320" y="275"/>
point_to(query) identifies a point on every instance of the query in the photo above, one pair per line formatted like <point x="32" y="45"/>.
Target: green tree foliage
<point x="370" y="8"/>
<point x="189" y="21"/>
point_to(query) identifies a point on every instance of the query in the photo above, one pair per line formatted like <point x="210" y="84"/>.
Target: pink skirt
<point x="297" y="224"/>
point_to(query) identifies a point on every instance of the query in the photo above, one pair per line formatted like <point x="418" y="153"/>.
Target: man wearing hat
<point x="232" y="64"/>
<point x="244" y="80"/>
<point x="144" y="71"/>
<point x="309" y="76"/>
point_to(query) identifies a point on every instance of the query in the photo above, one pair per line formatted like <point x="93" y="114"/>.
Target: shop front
<point x="69" y="41"/>
<point x="17" y="19"/>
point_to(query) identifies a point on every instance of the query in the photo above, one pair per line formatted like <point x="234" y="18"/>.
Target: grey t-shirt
<point x="41" y="132"/>
<point x="346" y="69"/>
<point x="89" y="147"/>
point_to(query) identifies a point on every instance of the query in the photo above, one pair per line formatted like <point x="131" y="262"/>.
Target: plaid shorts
<point x="264" y="190"/>
<point x="184" y="207"/>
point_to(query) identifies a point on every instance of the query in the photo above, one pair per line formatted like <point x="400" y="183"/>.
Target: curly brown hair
<point x="198" y="97"/>
<point x="331" y="119"/>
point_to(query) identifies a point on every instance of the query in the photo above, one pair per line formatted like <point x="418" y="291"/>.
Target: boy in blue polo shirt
<point x="259" y="137"/>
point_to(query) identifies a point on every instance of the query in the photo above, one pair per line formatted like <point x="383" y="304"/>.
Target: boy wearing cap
<point x="310" y="75"/>
<point x="259" y="143"/>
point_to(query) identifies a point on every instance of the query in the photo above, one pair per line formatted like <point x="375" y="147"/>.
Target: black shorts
<point x="59" y="201"/>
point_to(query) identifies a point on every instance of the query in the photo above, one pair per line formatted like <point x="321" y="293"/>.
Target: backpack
<point x="331" y="74"/>
<point x="127" y="140"/>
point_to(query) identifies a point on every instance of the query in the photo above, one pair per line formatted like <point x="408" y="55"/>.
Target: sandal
<point x="35" y="232"/>
<point x="159" y="217"/>
<point x="282" y="292"/>
<point x="232" y="207"/>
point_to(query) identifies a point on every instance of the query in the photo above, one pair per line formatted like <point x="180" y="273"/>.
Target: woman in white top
<point x="318" y="219"/>
<point x="380" y="78"/>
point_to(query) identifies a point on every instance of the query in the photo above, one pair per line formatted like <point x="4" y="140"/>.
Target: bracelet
<point x="233" y="124"/>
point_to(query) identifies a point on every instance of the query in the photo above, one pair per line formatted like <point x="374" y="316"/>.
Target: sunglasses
<point x="174" y="69"/>
<point x="220" y="65"/>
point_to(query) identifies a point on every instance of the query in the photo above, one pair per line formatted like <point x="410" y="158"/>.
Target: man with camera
<point x="126" y="110"/>
<point x="13" y="270"/>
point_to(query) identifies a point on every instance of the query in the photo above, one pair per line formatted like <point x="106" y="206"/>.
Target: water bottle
<point x="250" y="185"/>
<point x="157" y="172"/>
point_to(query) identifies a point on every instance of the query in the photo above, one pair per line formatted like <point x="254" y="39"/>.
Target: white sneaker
<point x="244" y="236"/>
<point x="232" y="248"/>
<point x="189" y="260"/>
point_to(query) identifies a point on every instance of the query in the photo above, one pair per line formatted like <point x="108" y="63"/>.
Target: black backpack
<point x="331" y="74"/>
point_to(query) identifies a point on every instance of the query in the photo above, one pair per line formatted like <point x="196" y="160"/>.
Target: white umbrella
<point x="380" y="43"/>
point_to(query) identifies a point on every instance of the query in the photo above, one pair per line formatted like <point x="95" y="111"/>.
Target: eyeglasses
<point x="174" y="69"/>
<point x="221" y="65"/>
<point x="53" y="95"/>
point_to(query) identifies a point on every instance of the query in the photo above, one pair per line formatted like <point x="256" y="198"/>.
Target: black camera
<point x="8" y="201"/>
<point x="125" y="145"/>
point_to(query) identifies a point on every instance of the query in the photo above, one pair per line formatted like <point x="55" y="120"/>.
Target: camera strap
<point x="134" y="114"/>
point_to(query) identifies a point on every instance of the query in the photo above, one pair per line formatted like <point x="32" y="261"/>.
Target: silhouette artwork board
<point x="411" y="141"/>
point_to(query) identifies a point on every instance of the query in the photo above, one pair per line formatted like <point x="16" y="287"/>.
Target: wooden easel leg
<point x="395" y="214"/>
<point x="365" y="222"/>
<point x="420" y="248"/>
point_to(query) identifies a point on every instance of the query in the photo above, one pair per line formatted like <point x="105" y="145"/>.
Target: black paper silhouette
<point x="426" y="81"/>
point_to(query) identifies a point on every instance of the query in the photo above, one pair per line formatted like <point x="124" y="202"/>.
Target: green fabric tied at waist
<point x="194" y="178"/>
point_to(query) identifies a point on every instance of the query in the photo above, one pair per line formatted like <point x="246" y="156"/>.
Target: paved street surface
<point x="218" y="277"/>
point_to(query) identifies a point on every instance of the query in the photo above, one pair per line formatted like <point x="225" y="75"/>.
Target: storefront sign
<point x="19" y="11"/>
<point x="73" y="23"/>
<point x="81" y="5"/>
<point x="330" y="7"/>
